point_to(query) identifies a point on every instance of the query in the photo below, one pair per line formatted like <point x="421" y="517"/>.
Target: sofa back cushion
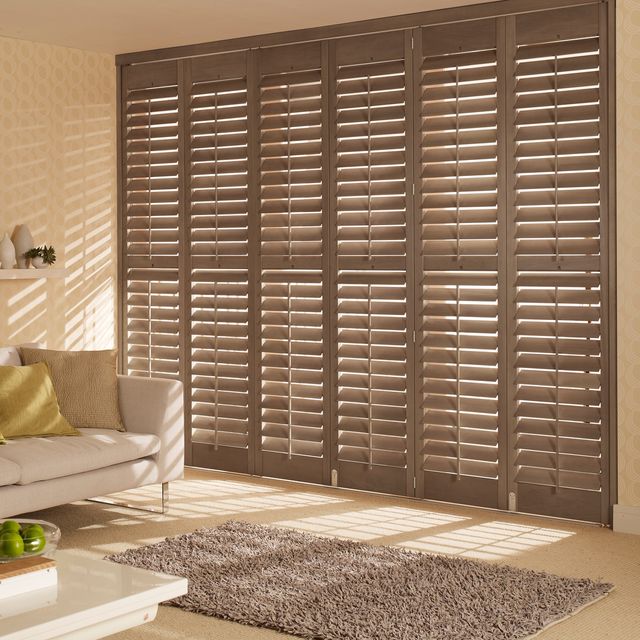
<point x="28" y="404"/>
<point x="86" y="384"/>
<point x="10" y="357"/>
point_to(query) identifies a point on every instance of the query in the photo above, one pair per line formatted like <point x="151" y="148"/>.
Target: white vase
<point x="22" y="241"/>
<point x="39" y="263"/>
<point x="7" y="253"/>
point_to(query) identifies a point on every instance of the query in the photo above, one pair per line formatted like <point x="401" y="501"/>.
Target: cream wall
<point x="57" y="175"/>
<point x="628" y="217"/>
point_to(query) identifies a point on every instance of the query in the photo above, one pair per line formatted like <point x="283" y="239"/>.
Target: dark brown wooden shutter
<point x="150" y="219"/>
<point x="559" y="424"/>
<point x="458" y="264"/>
<point x="383" y="261"/>
<point x="292" y="340"/>
<point x="218" y="265"/>
<point x="371" y="263"/>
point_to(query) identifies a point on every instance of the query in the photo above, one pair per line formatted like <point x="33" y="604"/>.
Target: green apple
<point x="33" y="537"/>
<point x="11" y="544"/>
<point x="10" y="525"/>
<point x="31" y="530"/>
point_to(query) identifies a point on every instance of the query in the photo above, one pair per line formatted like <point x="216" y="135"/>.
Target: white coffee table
<point x="94" y="598"/>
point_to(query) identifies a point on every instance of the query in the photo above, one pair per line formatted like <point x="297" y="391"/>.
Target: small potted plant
<point x="41" y="257"/>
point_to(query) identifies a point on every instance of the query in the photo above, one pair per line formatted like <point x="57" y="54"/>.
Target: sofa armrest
<point x="155" y="405"/>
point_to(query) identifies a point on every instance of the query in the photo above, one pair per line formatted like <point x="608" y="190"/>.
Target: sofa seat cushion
<point x="9" y="472"/>
<point x="55" y="457"/>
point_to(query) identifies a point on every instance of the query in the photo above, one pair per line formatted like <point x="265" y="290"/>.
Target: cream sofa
<point x="36" y="473"/>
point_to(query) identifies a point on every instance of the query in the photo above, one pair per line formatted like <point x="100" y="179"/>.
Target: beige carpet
<point x="325" y="587"/>
<point x="208" y="498"/>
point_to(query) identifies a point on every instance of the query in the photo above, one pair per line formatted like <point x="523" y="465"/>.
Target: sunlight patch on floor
<point x="126" y="522"/>
<point x="154" y="540"/>
<point x="488" y="541"/>
<point x="113" y="547"/>
<point x="121" y="516"/>
<point x="198" y="498"/>
<point x="209" y="506"/>
<point x="186" y="490"/>
<point x="369" y="524"/>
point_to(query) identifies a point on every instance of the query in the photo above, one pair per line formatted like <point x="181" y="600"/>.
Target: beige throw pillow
<point x="86" y="384"/>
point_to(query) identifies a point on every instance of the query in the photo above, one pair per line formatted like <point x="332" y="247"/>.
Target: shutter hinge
<point x="415" y="483"/>
<point x="334" y="477"/>
<point x="414" y="336"/>
<point x="513" y="505"/>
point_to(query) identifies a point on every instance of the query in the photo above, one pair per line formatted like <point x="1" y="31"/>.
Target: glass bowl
<point x="51" y="537"/>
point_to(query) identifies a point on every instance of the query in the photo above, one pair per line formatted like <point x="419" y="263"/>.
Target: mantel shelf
<point x="31" y="274"/>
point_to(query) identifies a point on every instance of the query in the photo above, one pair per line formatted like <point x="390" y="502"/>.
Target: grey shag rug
<point x="329" y="589"/>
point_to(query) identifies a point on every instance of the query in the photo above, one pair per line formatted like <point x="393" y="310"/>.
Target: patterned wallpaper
<point x="57" y="175"/>
<point x="628" y="218"/>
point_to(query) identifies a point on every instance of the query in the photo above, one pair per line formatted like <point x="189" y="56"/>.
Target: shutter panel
<point x="382" y="261"/>
<point x="291" y="289"/>
<point x="150" y="219"/>
<point x="219" y="277"/>
<point x="371" y="263"/>
<point x="458" y="261"/>
<point x="558" y="316"/>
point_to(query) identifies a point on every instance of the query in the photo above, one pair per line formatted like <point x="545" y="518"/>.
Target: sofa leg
<point x="164" y="499"/>
<point x="165" y="496"/>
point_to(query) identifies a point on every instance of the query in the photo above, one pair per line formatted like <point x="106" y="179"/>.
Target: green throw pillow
<point x="28" y="404"/>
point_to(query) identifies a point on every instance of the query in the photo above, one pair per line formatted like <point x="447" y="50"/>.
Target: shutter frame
<point x="150" y="232"/>
<point x="460" y="444"/>
<point x="373" y="291"/>
<point x="544" y="478"/>
<point x="217" y="304"/>
<point x="293" y="422"/>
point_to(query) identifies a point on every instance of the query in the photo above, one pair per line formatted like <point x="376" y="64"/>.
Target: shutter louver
<point x="291" y="219"/>
<point x="151" y="209"/>
<point x="558" y="367"/>
<point x="458" y="310"/>
<point x="371" y="266"/>
<point x="219" y="235"/>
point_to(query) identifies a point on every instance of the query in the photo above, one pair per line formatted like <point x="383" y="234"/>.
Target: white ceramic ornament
<point x="22" y="241"/>
<point x="7" y="253"/>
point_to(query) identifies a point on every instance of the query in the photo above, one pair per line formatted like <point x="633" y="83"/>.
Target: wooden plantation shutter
<point x="559" y="425"/>
<point x="458" y="264"/>
<point x="382" y="260"/>
<point x="371" y="218"/>
<point x="150" y="220"/>
<point x="292" y="341"/>
<point x="219" y="265"/>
